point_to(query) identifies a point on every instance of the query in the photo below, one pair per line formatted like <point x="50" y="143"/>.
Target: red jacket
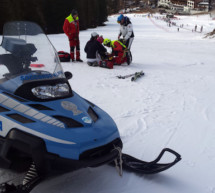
<point x="71" y="27"/>
<point x="117" y="46"/>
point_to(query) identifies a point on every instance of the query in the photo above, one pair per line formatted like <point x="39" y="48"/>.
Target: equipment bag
<point x="64" y="56"/>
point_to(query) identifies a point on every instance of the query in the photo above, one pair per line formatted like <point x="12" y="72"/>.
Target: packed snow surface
<point x="172" y="105"/>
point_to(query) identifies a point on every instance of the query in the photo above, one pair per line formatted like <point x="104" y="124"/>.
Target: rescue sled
<point x="46" y="128"/>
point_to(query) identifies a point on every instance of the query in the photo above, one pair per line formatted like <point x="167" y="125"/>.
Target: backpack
<point x="64" y="56"/>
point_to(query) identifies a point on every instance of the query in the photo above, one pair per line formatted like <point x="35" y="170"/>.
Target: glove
<point x="118" y="37"/>
<point x="110" y="57"/>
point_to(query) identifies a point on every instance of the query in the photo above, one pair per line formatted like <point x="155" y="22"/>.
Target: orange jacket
<point x="71" y="27"/>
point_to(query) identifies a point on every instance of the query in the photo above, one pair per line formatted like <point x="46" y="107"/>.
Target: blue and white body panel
<point x="60" y="140"/>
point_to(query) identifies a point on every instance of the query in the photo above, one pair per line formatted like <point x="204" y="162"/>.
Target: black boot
<point x="79" y="60"/>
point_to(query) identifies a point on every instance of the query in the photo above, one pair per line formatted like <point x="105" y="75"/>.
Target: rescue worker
<point x="71" y="29"/>
<point x="94" y="50"/>
<point x="119" y="51"/>
<point x="126" y="30"/>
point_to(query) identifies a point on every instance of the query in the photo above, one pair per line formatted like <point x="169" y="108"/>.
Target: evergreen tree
<point x="50" y="14"/>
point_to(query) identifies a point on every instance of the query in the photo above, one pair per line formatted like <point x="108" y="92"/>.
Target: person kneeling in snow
<point x="94" y="50"/>
<point x="119" y="51"/>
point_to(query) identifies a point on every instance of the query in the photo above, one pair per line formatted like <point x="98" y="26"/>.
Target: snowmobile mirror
<point x="68" y="75"/>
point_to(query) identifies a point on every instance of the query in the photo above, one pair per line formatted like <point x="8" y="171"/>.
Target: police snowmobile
<point x="46" y="128"/>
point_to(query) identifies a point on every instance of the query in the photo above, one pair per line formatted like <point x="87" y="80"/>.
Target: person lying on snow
<point x="95" y="50"/>
<point x="119" y="51"/>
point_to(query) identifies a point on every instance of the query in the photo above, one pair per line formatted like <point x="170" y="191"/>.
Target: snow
<point x="171" y="106"/>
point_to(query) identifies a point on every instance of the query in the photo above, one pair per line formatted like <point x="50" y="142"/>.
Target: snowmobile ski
<point x="138" y="166"/>
<point x="137" y="75"/>
<point x="130" y="75"/>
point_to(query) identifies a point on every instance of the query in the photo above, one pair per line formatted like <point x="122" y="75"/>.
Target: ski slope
<point x="171" y="106"/>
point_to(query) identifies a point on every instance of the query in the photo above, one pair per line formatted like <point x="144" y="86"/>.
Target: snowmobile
<point x="46" y="128"/>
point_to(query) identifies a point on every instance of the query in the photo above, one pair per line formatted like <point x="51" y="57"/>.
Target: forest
<point x="50" y="14"/>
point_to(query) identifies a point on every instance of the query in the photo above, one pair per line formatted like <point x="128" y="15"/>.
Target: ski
<point x="137" y="75"/>
<point x="126" y="76"/>
<point x="126" y="162"/>
<point x="129" y="75"/>
<point x="138" y="166"/>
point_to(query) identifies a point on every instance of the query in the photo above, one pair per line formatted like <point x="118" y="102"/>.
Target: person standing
<point x="126" y="30"/>
<point x="201" y="29"/>
<point x="195" y="27"/>
<point x="71" y="29"/>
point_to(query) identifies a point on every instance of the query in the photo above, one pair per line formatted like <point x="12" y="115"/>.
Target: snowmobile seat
<point x="18" y="47"/>
<point x="12" y="44"/>
<point x="20" y="56"/>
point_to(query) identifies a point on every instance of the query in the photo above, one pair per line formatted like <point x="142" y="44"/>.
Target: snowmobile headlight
<point x="49" y="91"/>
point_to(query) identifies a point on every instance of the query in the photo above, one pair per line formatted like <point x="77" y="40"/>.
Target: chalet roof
<point x="203" y="3"/>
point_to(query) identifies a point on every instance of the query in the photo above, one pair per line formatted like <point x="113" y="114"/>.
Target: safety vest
<point x="71" y="19"/>
<point x="112" y="44"/>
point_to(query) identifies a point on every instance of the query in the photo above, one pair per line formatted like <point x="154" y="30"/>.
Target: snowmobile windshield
<point x="25" y="48"/>
<point x="27" y="57"/>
